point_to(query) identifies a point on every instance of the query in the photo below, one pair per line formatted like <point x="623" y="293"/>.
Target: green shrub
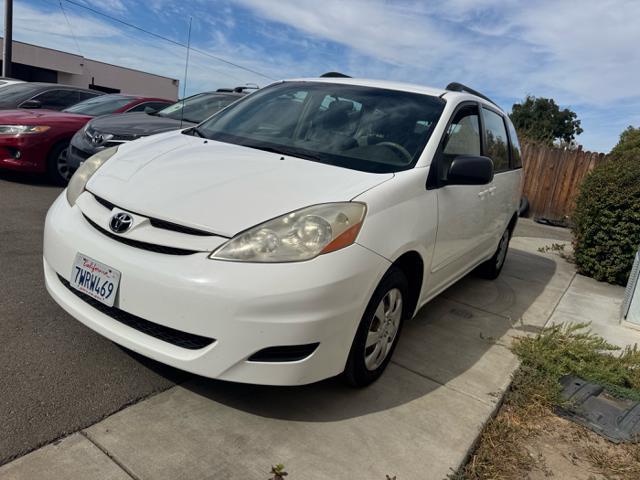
<point x="606" y="221"/>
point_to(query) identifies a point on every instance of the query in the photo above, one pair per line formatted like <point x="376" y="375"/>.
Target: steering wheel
<point x="396" y="147"/>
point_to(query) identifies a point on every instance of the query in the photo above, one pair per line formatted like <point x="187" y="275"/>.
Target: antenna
<point x="186" y="69"/>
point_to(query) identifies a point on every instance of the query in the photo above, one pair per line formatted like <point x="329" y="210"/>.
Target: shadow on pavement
<point x="26" y="178"/>
<point x="449" y="342"/>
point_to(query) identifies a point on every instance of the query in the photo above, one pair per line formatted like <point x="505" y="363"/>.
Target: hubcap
<point x="502" y="249"/>
<point x="62" y="165"/>
<point x="383" y="329"/>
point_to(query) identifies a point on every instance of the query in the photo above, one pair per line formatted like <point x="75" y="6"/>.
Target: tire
<point x="491" y="268"/>
<point x="363" y="365"/>
<point x="57" y="166"/>
<point x="523" y="209"/>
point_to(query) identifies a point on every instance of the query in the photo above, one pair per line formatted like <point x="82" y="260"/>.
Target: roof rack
<point x="459" y="87"/>
<point x="334" y="75"/>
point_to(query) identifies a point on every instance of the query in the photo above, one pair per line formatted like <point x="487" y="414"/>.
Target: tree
<point x="541" y="119"/>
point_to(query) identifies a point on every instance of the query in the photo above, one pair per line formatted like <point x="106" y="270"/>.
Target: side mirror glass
<point x="470" y="170"/>
<point x="31" y="104"/>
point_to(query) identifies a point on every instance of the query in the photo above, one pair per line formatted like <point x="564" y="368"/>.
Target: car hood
<point x="220" y="187"/>
<point x="138" y="124"/>
<point x="39" y="117"/>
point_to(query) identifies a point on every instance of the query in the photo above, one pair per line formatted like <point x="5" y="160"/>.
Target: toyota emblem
<point x="121" y="222"/>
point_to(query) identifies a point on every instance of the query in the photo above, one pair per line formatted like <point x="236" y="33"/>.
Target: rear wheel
<point x="491" y="268"/>
<point x="57" y="164"/>
<point x="379" y="330"/>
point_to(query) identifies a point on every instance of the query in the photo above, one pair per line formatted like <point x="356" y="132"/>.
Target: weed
<point x="558" y="248"/>
<point x="278" y="472"/>
<point x="503" y="449"/>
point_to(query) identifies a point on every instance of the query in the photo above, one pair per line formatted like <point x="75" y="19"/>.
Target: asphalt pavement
<point x="56" y="375"/>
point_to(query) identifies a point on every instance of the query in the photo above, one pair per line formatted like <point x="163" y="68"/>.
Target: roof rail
<point x="459" y="87"/>
<point x="334" y="75"/>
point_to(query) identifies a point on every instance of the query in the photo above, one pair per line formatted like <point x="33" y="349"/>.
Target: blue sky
<point x="584" y="54"/>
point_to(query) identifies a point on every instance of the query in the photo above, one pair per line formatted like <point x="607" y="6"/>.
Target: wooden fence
<point x="552" y="177"/>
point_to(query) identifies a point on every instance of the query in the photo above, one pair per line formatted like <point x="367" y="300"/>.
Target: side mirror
<point x="31" y="104"/>
<point x="470" y="170"/>
<point x="150" y="110"/>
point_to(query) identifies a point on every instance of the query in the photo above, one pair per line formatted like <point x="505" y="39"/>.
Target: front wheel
<point x="491" y="268"/>
<point x="379" y="330"/>
<point x="57" y="164"/>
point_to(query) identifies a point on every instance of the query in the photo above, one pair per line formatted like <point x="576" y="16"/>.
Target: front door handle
<point x="491" y="190"/>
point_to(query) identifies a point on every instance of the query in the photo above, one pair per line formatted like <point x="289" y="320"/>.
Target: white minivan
<point x="285" y="239"/>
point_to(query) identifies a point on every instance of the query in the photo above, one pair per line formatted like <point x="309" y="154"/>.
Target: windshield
<point x="101" y="105"/>
<point x="18" y="92"/>
<point x="198" y="107"/>
<point x="362" y="128"/>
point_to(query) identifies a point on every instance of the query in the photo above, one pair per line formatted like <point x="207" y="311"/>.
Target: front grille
<point x="166" y="334"/>
<point x="79" y="153"/>
<point x="287" y="353"/>
<point x="152" y="247"/>
<point x="124" y="137"/>
<point x="162" y="224"/>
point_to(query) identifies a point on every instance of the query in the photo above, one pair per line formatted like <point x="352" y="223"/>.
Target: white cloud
<point x="584" y="53"/>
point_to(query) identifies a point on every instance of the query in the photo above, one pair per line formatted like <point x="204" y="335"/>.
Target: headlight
<point x="85" y="172"/>
<point x="22" y="129"/>
<point x="297" y="236"/>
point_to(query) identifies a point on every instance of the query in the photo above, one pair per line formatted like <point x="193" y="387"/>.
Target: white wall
<point x="77" y="70"/>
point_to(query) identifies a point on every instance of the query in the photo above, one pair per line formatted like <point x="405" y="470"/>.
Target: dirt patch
<point x="527" y="440"/>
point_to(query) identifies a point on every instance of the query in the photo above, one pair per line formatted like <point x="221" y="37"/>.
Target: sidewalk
<point x="418" y="421"/>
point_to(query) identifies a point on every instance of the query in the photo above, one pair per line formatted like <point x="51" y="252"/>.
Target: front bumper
<point x="246" y="307"/>
<point x="24" y="153"/>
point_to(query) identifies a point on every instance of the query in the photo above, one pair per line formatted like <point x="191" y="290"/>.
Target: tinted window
<point x="17" y="93"/>
<point x="153" y="105"/>
<point x="198" y="107"/>
<point x="363" y="128"/>
<point x="516" y="153"/>
<point x="101" y="105"/>
<point x="497" y="148"/>
<point x="82" y="95"/>
<point x="57" y="99"/>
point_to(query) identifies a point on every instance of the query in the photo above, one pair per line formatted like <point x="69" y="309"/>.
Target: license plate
<point x="95" y="279"/>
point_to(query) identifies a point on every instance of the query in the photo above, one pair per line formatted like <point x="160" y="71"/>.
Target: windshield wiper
<point x="284" y="151"/>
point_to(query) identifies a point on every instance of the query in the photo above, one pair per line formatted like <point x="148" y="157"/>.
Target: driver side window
<point x="462" y="137"/>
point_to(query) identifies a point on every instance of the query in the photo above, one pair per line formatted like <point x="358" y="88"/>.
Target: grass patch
<point x="504" y="449"/>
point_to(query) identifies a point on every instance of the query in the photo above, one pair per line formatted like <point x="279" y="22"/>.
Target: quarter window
<point x="497" y="148"/>
<point x="516" y="153"/>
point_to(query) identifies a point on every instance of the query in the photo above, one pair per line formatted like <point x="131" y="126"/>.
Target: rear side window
<point x="516" y="153"/>
<point x="497" y="147"/>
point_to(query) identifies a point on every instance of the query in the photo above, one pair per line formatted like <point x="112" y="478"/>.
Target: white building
<point x="39" y="64"/>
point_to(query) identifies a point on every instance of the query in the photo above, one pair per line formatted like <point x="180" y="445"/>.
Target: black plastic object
<point x="166" y="334"/>
<point x="286" y="353"/>
<point x="459" y="87"/>
<point x="523" y="209"/>
<point x="589" y="405"/>
<point x="334" y="75"/>
<point x="470" y="170"/>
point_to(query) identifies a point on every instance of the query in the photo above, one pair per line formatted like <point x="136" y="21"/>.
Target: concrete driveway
<point x="417" y="422"/>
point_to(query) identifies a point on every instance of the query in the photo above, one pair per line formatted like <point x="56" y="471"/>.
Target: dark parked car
<point x="51" y="96"/>
<point x="37" y="140"/>
<point x="111" y="130"/>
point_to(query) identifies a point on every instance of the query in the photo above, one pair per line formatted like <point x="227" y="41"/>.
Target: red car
<point x="37" y="140"/>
